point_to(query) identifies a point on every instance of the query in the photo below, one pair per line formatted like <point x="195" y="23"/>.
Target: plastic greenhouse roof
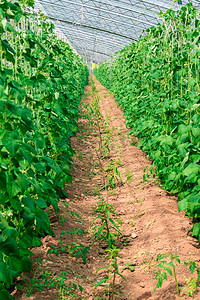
<point x="97" y="29"/>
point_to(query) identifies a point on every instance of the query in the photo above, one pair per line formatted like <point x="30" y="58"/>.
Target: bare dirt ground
<point x="151" y="223"/>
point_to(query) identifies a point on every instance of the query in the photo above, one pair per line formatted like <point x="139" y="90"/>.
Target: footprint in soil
<point x="144" y="296"/>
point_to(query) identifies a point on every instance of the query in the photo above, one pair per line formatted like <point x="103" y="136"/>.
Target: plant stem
<point x="106" y="220"/>
<point x="113" y="285"/>
<point x="178" y="290"/>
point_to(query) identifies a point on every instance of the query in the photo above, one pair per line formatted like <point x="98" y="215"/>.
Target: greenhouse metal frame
<point x="97" y="29"/>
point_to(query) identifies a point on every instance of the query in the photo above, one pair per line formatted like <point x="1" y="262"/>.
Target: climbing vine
<point x="41" y="82"/>
<point x="156" y="81"/>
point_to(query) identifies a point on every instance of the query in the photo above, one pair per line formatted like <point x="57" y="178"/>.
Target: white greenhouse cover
<point x="98" y="28"/>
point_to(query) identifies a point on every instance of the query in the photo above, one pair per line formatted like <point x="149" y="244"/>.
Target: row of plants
<point x="105" y="228"/>
<point x="106" y="225"/>
<point x="156" y="81"/>
<point x="41" y="83"/>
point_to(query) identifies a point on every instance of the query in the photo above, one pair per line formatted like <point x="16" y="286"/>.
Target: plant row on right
<point x="156" y="81"/>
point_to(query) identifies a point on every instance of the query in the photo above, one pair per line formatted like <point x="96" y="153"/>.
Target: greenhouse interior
<point x="99" y="149"/>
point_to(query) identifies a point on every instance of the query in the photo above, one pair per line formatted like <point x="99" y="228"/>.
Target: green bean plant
<point x="41" y="83"/>
<point x="156" y="82"/>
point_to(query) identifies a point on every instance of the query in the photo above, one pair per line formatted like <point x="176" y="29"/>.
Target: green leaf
<point x="191" y="168"/>
<point x="16" y="265"/>
<point x="9" y="247"/>
<point x="100" y="283"/>
<point x="192" y="267"/>
<point x="7" y="46"/>
<point x="160" y="282"/>
<point x="121" y="276"/>
<point x="10" y="232"/>
<point x="63" y="249"/>
<point x="169" y="271"/>
<point x="196" y="132"/>
<point x="4" y="294"/>
<point x="5" y="275"/>
<point x="42" y="222"/>
<point x="56" y="250"/>
<point x="80" y="288"/>
<point x="53" y="165"/>
<point x="115" y="225"/>
<point x="11" y="142"/>
<point x="23" y="181"/>
<point x="183" y="204"/>
<point x="3" y="220"/>
<point x="100" y="230"/>
<point x="41" y="202"/>
<point x="4" y="23"/>
<point x="102" y="268"/>
<point x="50" y="251"/>
<point x="196" y="229"/>
<point x="36" y="242"/>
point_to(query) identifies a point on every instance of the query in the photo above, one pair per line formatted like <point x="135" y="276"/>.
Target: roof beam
<point x="156" y="4"/>
<point x="82" y="35"/>
<point x="93" y="51"/>
<point x="104" y="10"/>
<point x="102" y="44"/>
<point x="125" y="8"/>
<point x="94" y="28"/>
<point x="100" y="17"/>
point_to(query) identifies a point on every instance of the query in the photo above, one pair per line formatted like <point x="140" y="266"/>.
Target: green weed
<point x="108" y="229"/>
<point x="167" y="264"/>
<point x="113" y="271"/>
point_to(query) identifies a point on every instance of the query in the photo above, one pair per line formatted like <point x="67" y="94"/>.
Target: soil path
<point x="151" y="224"/>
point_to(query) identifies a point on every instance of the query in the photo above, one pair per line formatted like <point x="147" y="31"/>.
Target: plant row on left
<point x="41" y="83"/>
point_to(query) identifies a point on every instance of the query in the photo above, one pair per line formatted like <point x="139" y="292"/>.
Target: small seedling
<point x="113" y="271"/>
<point x="80" y="155"/>
<point x="79" y="250"/>
<point x="190" y="287"/>
<point x="132" y="223"/>
<point x="43" y="280"/>
<point x="63" y="220"/>
<point x="140" y="201"/>
<point x="170" y="266"/>
<point x="119" y="131"/>
<point x="96" y="190"/>
<point x="130" y="266"/>
<point x="65" y="203"/>
<point x="129" y="176"/>
<point x="113" y="175"/>
<point x="111" y="192"/>
<point x="75" y="231"/>
<point x="108" y="229"/>
<point x="118" y="149"/>
<point x="75" y="249"/>
<point x="54" y="249"/>
<point x="167" y="266"/>
<point x="126" y="242"/>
